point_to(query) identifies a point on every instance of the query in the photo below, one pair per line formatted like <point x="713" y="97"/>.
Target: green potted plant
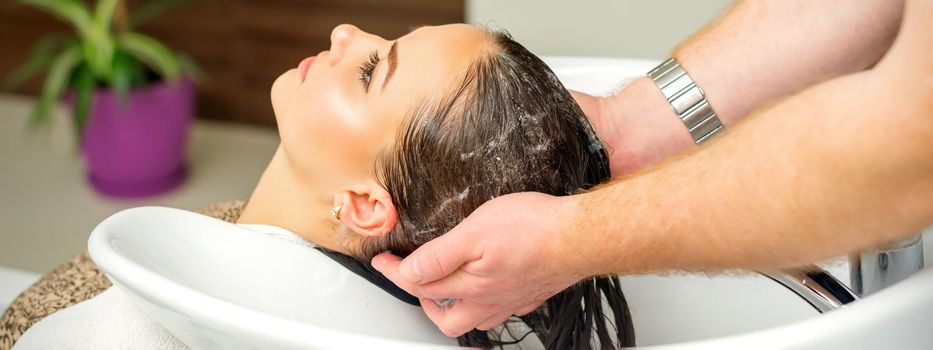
<point x="132" y="97"/>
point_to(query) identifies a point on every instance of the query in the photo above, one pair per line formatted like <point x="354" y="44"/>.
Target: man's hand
<point x="506" y="258"/>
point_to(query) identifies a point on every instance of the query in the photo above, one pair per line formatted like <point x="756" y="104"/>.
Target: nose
<point x="340" y="39"/>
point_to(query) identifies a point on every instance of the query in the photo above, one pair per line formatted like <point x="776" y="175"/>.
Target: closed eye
<point x="367" y="68"/>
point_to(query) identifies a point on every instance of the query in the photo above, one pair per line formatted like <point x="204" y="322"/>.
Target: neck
<point x="285" y="199"/>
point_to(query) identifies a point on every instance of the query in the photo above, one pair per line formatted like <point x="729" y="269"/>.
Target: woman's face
<point x="337" y="110"/>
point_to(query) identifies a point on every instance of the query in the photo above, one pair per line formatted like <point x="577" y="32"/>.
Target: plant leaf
<point x="123" y="71"/>
<point x="84" y="84"/>
<point x="39" y="57"/>
<point x="189" y="66"/>
<point x="98" y="53"/>
<point x="73" y="12"/>
<point x="140" y="77"/>
<point x="103" y="14"/>
<point x="152" y="53"/>
<point x="55" y="82"/>
<point x="151" y="10"/>
<point x="99" y="44"/>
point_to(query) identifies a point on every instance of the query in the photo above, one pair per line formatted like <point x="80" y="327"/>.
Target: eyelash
<point x="367" y="68"/>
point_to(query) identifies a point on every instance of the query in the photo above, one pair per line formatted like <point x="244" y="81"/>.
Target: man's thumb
<point x="436" y="259"/>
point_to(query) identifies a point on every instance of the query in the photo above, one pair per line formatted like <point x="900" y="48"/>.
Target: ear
<point x="367" y="209"/>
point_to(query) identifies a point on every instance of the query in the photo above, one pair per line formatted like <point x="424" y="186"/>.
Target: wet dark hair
<point x="507" y="125"/>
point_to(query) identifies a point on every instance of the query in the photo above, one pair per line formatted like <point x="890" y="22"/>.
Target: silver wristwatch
<point x="687" y="99"/>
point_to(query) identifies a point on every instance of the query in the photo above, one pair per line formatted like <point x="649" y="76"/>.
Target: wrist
<point x="642" y="128"/>
<point x="573" y="250"/>
<point x="596" y="232"/>
<point x="716" y="83"/>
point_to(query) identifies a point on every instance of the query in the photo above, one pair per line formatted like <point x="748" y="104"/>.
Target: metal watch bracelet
<point x="687" y="100"/>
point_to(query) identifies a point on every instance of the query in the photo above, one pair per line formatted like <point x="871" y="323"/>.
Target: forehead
<point x="431" y="58"/>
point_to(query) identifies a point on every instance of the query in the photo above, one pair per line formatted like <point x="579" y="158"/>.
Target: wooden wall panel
<point x="242" y="45"/>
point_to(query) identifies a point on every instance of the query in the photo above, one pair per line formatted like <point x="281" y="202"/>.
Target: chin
<point x="283" y="87"/>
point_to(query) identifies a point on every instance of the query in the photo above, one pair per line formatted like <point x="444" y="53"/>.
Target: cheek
<point x="321" y="131"/>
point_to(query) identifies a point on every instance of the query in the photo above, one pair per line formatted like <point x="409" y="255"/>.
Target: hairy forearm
<point x="755" y="52"/>
<point x="842" y="166"/>
<point x="760" y="50"/>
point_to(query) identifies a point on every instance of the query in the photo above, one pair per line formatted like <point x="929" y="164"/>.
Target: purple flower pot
<point x="136" y="147"/>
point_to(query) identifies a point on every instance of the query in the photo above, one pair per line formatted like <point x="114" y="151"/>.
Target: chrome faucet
<point x="874" y="270"/>
<point x="870" y="271"/>
<point x="816" y="286"/>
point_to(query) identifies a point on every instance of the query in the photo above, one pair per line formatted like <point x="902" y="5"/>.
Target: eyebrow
<point x="392" y="59"/>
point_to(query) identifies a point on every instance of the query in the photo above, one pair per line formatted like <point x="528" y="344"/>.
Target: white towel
<point x="107" y="321"/>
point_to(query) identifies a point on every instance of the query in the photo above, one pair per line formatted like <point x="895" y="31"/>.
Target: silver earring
<point x="335" y="211"/>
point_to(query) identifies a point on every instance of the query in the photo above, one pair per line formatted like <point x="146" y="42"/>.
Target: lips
<point x="304" y="66"/>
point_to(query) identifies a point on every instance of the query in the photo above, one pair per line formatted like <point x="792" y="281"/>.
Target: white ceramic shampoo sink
<point x="216" y="285"/>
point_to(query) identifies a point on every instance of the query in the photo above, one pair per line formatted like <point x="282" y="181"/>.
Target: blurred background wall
<point x="614" y="28"/>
